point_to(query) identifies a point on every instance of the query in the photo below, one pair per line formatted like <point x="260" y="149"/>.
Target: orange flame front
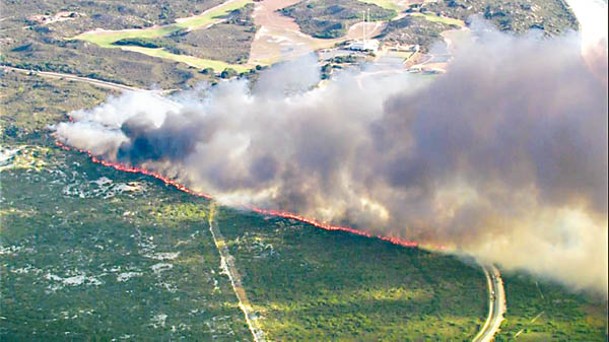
<point x="268" y="212"/>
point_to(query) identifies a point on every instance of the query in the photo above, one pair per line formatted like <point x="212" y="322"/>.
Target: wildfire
<point x="268" y="212"/>
<point x="327" y="226"/>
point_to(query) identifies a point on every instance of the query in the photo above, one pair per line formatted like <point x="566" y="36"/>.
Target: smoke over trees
<point x="504" y="157"/>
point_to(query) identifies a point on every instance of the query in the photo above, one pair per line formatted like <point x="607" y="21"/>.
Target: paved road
<point x="93" y="81"/>
<point x="497" y="305"/>
<point x="102" y="84"/>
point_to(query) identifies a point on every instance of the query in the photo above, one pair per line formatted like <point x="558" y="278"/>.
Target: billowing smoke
<point x="503" y="157"/>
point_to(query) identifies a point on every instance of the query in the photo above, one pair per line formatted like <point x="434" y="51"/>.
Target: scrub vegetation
<point x="30" y="42"/>
<point x="331" y="19"/>
<point x="549" y="16"/>
<point x="89" y="252"/>
<point x="310" y="284"/>
<point x="542" y="311"/>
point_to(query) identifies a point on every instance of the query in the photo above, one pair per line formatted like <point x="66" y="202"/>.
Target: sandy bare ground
<point x="356" y="31"/>
<point x="279" y="37"/>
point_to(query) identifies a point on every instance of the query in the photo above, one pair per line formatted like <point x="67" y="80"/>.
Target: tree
<point x="207" y="71"/>
<point x="228" y="73"/>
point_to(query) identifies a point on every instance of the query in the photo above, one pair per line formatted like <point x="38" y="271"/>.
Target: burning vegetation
<point x="504" y="157"/>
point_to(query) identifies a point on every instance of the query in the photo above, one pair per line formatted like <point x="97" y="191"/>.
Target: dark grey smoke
<point x="173" y="141"/>
<point x="503" y="157"/>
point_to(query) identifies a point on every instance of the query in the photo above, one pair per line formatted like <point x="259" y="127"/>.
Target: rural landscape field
<point x="303" y="170"/>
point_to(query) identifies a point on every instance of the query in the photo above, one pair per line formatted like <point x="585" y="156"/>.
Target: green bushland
<point x="212" y="16"/>
<point x="551" y="16"/>
<point x="440" y="19"/>
<point x="44" y="47"/>
<point x="538" y="310"/>
<point x="147" y="41"/>
<point x="386" y="4"/>
<point x="306" y="283"/>
<point x="414" y="29"/>
<point x="331" y="19"/>
<point x="85" y="258"/>
<point x="223" y="46"/>
<point x="309" y="284"/>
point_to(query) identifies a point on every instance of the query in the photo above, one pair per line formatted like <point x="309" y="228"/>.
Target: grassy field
<point x="212" y="16"/>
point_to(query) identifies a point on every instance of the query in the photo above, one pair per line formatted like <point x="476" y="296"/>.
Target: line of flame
<point x="267" y="212"/>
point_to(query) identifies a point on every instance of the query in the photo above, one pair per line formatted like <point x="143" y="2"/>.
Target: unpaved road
<point x="228" y="265"/>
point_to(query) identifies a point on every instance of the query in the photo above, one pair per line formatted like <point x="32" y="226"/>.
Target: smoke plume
<point x="504" y="157"/>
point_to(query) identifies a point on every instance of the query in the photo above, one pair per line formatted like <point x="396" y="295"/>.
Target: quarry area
<point x="303" y="170"/>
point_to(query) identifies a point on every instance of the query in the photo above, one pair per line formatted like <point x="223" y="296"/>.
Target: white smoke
<point x="504" y="157"/>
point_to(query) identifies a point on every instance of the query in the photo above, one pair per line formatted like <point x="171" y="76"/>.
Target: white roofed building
<point x="371" y="45"/>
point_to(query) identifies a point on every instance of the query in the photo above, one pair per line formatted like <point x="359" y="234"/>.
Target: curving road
<point x="497" y="305"/>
